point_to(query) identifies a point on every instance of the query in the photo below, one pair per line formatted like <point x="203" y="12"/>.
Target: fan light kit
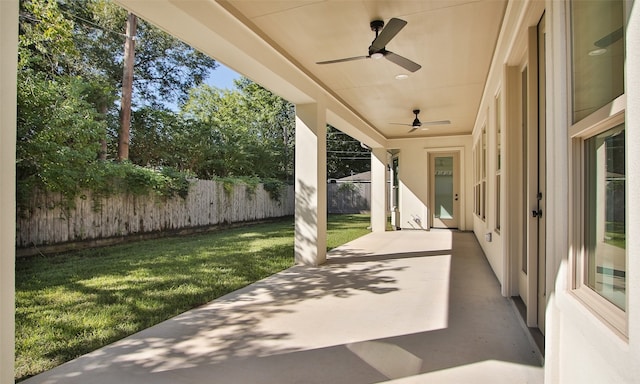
<point x="377" y="49"/>
<point x="418" y="124"/>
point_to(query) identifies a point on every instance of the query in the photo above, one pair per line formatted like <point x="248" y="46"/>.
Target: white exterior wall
<point x="580" y="346"/>
<point x="509" y="52"/>
<point x="490" y="239"/>
<point x="414" y="178"/>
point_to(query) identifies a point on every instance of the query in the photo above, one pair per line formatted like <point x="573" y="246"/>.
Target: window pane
<point x="498" y="134"/>
<point x="498" y="202"/>
<point x="483" y="209"/>
<point x="444" y="187"/>
<point x="598" y="54"/>
<point x="484" y="152"/>
<point x="396" y="183"/>
<point x="605" y="215"/>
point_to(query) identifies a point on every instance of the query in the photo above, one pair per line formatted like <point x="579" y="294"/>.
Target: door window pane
<point x="444" y="187"/>
<point x="605" y="215"/>
<point x="598" y="54"/>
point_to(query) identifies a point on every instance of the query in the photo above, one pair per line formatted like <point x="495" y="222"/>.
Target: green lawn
<point x="615" y="234"/>
<point x="71" y="304"/>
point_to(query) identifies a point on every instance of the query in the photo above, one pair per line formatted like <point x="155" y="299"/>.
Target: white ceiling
<point x="277" y="44"/>
<point x="453" y="40"/>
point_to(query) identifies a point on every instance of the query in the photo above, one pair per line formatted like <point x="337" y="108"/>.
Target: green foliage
<point x="250" y="183"/>
<point x="238" y="133"/>
<point x="347" y="187"/>
<point x="58" y="140"/>
<point x="153" y="142"/>
<point x="46" y="39"/>
<point x="58" y="134"/>
<point x="108" y="178"/>
<point x="177" y="182"/>
<point x="85" y="39"/>
<point x="70" y="60"/>
<point x="275" y="188"/>
<point x="165" y="68"/>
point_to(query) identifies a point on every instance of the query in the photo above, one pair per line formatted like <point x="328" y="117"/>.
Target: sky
<point x="222" y="77"/>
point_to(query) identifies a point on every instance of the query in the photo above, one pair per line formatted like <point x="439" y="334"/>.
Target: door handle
<point x="537" y="213"/>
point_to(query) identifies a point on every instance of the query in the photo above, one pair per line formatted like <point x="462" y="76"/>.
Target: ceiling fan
<point x="417" y="123"/>
<point x="377" y="48"/>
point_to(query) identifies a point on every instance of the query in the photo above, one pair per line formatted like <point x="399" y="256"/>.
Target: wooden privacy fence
<point x="207" y="204"/>
<point x="348" y="197"/>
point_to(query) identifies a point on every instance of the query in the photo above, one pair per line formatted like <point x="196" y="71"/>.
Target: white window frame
<point x="609" y="116"/>
<point x="498" y="159"/>
<point x="605" y="118"/>
<point x="484" y="150"/>
<point x="479" y="154"/>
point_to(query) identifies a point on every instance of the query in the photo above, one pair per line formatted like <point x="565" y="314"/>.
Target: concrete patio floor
<point x="407" y="306"/>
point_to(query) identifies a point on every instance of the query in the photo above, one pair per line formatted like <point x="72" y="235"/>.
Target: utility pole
<point x="127" y="88"/>
<point x="102" y="153"/>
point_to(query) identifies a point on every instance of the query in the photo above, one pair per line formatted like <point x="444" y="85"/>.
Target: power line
<point x="349" y="152"/>
<point x="94" y="25"/>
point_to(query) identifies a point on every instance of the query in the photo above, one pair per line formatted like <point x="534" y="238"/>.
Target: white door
<point x="523" y="262"/>
<point x="445" y="193"/>
<point x="532" y="261"/>
<point x="542" y="175"/>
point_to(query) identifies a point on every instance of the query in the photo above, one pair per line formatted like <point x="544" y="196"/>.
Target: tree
<point x="56" y="155"/>
<point x="245" y="132"/>
<point x="275" y="120"/>
<point x="70" y="68"/>
<point x="164" y="68"/>
<point x="157" y="140"/>
<point x="45" y="40"/>
<point x="58" y="127"/>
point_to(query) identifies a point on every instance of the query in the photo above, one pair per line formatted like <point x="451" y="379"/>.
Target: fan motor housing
<point x="376" y="25"/>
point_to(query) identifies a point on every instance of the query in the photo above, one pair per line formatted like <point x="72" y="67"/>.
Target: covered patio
<point x="410" y="306"/>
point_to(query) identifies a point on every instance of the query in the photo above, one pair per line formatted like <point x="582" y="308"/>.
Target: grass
<point x="615" y="234"/>
<point x="71" y="304"/>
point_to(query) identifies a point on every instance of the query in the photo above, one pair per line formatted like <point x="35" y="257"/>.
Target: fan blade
<point x="413" y="129"/>
<point x="440" y="122"/>
<point x="388" y="32"/>
<point x="344" y="60"/>
<point x="402" y="61"/>
<point x="408" y="125"/>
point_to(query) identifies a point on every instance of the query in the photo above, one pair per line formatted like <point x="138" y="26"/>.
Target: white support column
<point x="311" y="185"/>
<point x="8" y="70"/>
<point x="378" y="189"/>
